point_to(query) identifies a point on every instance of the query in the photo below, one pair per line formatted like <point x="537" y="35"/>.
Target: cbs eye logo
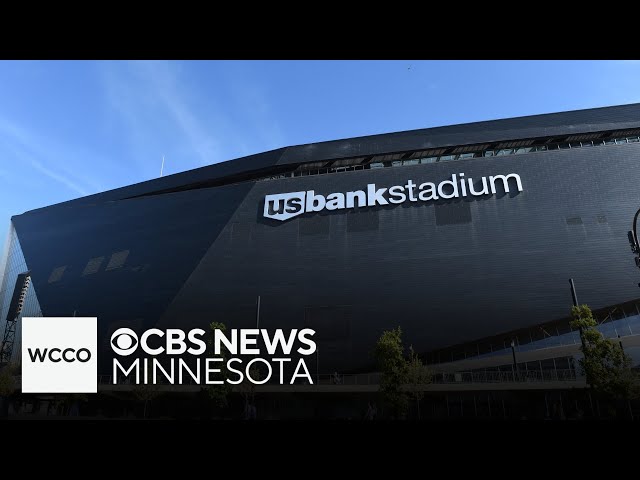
<point x="124" y="341"/>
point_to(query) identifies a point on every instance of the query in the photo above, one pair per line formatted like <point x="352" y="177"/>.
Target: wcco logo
<point x="59" y="355"/>
<point x="56" y="355"/>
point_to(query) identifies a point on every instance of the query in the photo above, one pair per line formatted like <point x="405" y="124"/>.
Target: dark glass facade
<point x="12" y="264"/>
<point x="460" y="275"/>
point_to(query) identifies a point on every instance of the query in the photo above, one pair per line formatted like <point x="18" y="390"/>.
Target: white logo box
<point x="59" y="355"/>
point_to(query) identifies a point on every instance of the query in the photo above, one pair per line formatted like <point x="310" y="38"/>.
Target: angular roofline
<point x="569" y="122"/>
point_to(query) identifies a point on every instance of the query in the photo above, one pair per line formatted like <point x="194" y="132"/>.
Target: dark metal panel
<point x="152" y="243"/>
<point x="443" y="282"/>
<point x="450" y="276"/>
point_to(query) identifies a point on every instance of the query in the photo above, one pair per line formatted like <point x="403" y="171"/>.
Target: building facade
<point x="472" y="248"/>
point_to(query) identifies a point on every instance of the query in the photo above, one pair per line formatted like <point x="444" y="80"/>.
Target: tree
<point x="604" y="363"/>
<point x="248" y="389"/>
<point x="219" y="394"/>
<point x="146" y="394"/>
<point x="7" y="387"/>
<point x="388" y="353"/>
<point x="7" y="381"/>
<point x="418" y="375"/>
<point x="68" y="401"/>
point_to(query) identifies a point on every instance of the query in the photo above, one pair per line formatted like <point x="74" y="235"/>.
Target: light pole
<point x="635" y="248"/>
<point x="574" y="295"/>
<point x="633" y="240"/>
<point x="258" y="313"/>
<point x="628" y="401"/>
<point x="516" y="372"/>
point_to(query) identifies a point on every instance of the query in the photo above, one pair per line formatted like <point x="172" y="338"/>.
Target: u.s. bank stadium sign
<point x="283" y="206"/>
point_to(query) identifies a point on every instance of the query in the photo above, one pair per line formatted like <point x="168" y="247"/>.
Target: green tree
<point x="418" y="375"/>
<point x="604" y="363"/>
<point x="66" y="402"/>
<point x="219" y="394"/>
<point x="8" y="386"/>
<point x="247" y="388"/>
<point x="146" y="394"/>
<point x="388" y="353"/>
<point x="7" y="381"/>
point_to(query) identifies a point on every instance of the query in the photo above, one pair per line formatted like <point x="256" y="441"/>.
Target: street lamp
<point x="633" y="240"/>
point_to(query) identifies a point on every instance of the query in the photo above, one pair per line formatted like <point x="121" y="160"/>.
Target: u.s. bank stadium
<point x="466" y="236"/>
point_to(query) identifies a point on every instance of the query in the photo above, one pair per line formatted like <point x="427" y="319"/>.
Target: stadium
<point x="466" y="236"/>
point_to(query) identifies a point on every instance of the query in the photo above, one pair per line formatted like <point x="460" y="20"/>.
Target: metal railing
<point x="561" y="375"/>
<point x="565" y="375"/>
<point x="323" y="379"/>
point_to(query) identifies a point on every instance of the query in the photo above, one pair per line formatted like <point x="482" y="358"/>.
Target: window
<point x="522" y="150"/>
<point x="92" y="266"/>
<point x="117" y="260"/>
<point x="463" y="152"/>
<point x="504" y="151"/>
<point x="56" y="274"/>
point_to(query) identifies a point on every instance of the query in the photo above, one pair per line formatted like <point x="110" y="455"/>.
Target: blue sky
<point x="69" y="129"/>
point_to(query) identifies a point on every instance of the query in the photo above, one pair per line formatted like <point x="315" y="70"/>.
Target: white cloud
<point x="253" y="100"/>
<point x="166" y="113"/>
<point x="60" y="178"/>
<point x="148" y="95"/>
<point x="28" y="148"/>
<point x="163" y="77"/>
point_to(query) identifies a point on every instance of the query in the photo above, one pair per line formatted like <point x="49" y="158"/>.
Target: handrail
<point x="469" y="377"/>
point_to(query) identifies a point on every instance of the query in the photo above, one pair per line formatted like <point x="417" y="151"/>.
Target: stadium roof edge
<point x="515" y="128"/>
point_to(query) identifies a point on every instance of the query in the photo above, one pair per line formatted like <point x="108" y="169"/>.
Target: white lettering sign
<point x="283" y="206"/>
